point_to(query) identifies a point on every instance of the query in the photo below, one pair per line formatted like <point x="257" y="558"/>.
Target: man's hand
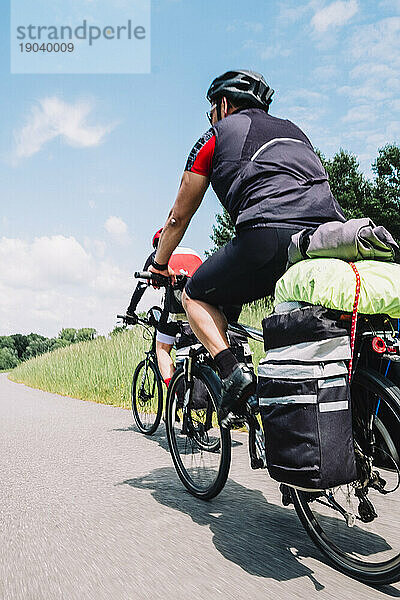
<point x="168" y="272"/>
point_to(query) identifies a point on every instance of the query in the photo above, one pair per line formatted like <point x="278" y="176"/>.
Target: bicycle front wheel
<point x="357" y="525"/>
<point x="200" y="449"/>
<point x="147" y="397"/>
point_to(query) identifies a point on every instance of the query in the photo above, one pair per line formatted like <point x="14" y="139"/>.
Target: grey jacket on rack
<point x="357" y="239"/>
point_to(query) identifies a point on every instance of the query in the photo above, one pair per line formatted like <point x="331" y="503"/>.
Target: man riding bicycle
<point x="268" y="177"/>
<point x="183" y="260"/>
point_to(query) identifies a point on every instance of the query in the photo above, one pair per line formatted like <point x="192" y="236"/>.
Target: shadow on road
<point x="264" y="539"/>
<point x="260" y="537"/>
<point x="160" y="436"/>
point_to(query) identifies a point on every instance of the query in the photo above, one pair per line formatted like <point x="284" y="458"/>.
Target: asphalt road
<point x="91" y="509"/>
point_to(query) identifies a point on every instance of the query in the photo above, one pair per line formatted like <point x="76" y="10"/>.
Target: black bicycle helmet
<point x="247" y="86"/>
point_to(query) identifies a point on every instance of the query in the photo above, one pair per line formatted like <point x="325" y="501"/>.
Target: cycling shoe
<point x="235" y="391"/>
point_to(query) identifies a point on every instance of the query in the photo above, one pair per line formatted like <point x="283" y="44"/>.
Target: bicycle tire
<point x="192" y="450"/>
<point x="146" y="412"/>
<point x="387" y="425"/>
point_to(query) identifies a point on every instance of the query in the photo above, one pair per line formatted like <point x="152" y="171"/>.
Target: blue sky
<point x="90" y="164"/>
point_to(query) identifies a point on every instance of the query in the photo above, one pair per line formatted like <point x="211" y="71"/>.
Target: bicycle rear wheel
<point x="200" y="449"/>
<point x="360" y="533"/>
<point x="147" y="397"/>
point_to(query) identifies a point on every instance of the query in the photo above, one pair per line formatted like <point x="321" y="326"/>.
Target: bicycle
<point x="343" y="522"/>
<point x="147" y="396"/>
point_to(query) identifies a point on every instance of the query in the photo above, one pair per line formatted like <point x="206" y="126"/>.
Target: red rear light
<point x="378" y="345"/>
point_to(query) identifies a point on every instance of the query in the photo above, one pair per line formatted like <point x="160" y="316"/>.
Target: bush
<point x="8" y="359"/>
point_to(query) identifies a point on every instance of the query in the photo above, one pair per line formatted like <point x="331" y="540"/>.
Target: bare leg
<point x="164" y="359"/>
<point x="208" y="324"/>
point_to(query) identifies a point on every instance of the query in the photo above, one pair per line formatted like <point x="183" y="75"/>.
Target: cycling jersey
<point x="183" y="261"/>
<point x="265" y="172"/>
<point x="201" y="155"/>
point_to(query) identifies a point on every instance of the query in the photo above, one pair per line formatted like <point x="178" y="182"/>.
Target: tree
<point x="222" y="232"/>
<point x="6" y="341"/>
<point x="57" y="343"/>
<point x="69" y="334"/>
<point x="85" y="334"/>
<point x="386" y="208"/>
<point x="21" y="343"/>
<point x="349" y="186"/>
<point x="117" y="330"/>
<point x="37" y="347"/>
<point x="8" y="359"/>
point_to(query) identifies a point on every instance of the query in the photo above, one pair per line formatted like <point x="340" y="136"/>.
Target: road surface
<point x="93" y="510"/>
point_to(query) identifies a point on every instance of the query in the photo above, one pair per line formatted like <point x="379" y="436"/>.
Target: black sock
<point x="225" y="362"/>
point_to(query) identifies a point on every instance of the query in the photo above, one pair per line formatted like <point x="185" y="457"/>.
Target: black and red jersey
<point x="264" y="171"/>
<point x="201" y="155"/>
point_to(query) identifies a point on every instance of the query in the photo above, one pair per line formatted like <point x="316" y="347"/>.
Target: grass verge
<point x="101" y="370"/>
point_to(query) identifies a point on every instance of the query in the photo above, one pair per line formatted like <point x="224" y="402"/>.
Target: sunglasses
<point x="209" y="113"/>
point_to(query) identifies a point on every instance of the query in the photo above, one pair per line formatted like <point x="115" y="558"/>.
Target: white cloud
<point x="266" y="51"/>
<point x="368" y="90"/>
<point x="306" y="108"/>
<point x="360" y="113"/>
<point x="325" y="72"/>
<point x="54" y="282"/>
<point x="393" y="5"/>
<point x="46" y="261"/>
<point x="117" y="229"/>
<point x="95" y="247"/>
<point x="335" y="14"/>
<point x="51" y="118"/>
<point x="370" y="137"/>
<point x="377" y="70"/>
<point x="378" y="41"/>
<point x="289" y="14"/>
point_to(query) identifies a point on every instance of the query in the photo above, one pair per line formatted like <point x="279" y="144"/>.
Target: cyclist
<point x="182" y="260"/>
<point x="268" y="177"/>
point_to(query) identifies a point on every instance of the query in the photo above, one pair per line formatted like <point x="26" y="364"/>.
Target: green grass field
<point x="101" y="370"/>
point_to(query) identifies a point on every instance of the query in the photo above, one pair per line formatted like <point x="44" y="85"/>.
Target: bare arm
<point x="190" y="194"/>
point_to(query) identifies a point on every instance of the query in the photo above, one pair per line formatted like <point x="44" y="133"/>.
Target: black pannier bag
<point x="304" y="396"/>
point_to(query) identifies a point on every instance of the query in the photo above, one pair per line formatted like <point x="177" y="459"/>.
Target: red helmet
<point x="156" y="237"/>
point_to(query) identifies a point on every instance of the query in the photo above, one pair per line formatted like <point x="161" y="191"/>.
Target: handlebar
<point x="158" y="279"/>
<point x="161" y="280"/>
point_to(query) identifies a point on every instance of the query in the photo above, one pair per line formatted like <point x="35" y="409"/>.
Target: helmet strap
<point x="219" y="115"/>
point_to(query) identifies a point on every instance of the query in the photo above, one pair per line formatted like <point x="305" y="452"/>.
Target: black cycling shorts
<point x="245" y="269"/>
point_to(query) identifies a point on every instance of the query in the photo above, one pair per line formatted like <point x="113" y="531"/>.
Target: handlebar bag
<point x="304" y="397"/>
